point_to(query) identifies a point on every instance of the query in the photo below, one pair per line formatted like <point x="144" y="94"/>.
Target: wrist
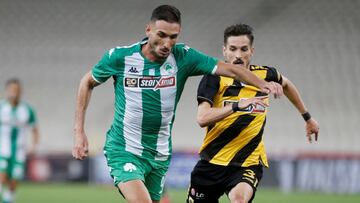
<point x="79" y="130"/>
<point x="235" y="106"/>
<point x="306" y="116"/>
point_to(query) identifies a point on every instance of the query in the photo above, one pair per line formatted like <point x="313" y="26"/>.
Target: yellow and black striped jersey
<point x="237" y="139"/>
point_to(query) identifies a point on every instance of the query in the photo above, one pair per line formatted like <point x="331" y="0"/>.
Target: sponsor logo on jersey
<point x="131" y="82"/>
<point x="150" y="82"/>
<point x="249" y="109"/>
<point x="133" y="70"/>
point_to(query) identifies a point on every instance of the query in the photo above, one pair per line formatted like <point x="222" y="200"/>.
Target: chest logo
<point x="133" y="70"/>
<point x="150" y="82"/>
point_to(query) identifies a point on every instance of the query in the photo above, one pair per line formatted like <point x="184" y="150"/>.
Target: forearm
<point x="240" y="74"/>
<point x="82" y="102"/>
<point x="210" y="116"/>
<point x="293" y="95"/>
<point x="244" y="75"/>
<point x="36" y="136"/>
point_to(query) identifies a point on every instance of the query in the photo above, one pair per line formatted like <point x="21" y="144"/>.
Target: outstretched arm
<point x="291" y="92"/>
<point x="244" y="75"/>
<point x="87" y="84"/>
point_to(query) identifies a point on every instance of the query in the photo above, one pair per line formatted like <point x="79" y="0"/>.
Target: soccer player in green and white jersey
<point x="17" y="120"/>
<point x="149" y="77"/>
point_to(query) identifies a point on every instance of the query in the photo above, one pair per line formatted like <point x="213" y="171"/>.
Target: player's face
<point x="238" y="50"/>
<point x="13" y="92"/>
<point x="162" y="37"/>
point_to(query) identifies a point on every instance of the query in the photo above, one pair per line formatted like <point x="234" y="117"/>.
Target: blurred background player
<point x="149" y="77"/>
<point x="233" y="154"/>
<point x="17" y="121"/>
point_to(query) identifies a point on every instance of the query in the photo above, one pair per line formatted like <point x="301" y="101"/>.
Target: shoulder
<point x="259" y="67"/>
<point x="269" y="73"/>
<point x="121" y="51"/>
<point x="3" y="103"/>
<point x="211" y="78"/>
<point x="180" y="49"/>
<point x="209" y="81"/>
<point x="27" y="106"/>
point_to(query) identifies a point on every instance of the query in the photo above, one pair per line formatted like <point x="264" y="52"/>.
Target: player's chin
<point x="162" y="55"/>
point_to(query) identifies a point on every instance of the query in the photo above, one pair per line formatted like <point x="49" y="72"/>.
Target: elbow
<point x="87" y="81"/>
<point x="202" y="121"/>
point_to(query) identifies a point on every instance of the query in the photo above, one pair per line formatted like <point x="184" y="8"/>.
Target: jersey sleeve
<point x="273" y="75"/>
<point x="200" y="63"/>
<point x="208" y="87"/>
<point x="32" y="117"/>
<point x="106" y="67"/>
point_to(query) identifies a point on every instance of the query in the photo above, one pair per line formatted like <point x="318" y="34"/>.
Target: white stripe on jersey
<point x="20" y="121"/>
<point x="167" y="96"/>
<point x="23" y="116"/>
<point x="133" y="100"/>
<point x="5" y="130"/>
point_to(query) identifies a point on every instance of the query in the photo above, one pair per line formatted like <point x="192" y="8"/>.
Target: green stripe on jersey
<point x="151" y="120"/>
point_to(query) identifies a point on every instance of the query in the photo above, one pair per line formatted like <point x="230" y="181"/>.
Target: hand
<point x="244" y="103"/>
<point x="81" y="146"/>
<point x="312" y="127"/>
<point x="273" y="88"/>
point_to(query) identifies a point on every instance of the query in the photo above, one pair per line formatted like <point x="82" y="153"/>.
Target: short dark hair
<point x="167" y="13"/>
<point x="238" y="30"/>
<point x="12" y="81"/>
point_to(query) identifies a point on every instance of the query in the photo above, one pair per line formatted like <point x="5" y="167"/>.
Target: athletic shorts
<point x="209" y="181"/>
<point x="14" y="169"/>
<point x="125" y="166"/>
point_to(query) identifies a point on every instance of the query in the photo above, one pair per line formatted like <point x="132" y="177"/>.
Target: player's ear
<point x="224" y="49"/>
<point x="252" y="51"/>
<point x="148" y="29"/>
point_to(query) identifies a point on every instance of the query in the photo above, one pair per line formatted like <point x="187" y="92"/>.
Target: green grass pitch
<point x="78" y="193"/>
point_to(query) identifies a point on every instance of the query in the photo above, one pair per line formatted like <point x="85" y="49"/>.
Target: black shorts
<point x="209" y="181"/>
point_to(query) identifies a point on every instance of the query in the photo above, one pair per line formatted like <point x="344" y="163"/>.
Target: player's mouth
<point x="238" y="61"/>
<point x="164" y="52"/>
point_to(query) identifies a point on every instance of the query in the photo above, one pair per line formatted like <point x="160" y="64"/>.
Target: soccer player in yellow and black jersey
<point x="233" y="153"/>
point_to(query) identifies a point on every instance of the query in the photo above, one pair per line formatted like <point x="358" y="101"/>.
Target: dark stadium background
<point x="50" y="44"/>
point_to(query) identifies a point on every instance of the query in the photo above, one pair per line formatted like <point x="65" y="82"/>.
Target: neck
<point x="146" y="51"/>
<point x="13" y="102"/>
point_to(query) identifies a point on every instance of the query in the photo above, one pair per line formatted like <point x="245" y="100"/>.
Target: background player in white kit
<point x="17" y="121"/>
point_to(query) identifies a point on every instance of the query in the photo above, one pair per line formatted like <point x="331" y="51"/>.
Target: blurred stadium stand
<point x="50" y="44"/>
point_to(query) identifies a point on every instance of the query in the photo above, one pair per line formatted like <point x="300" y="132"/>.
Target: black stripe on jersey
<point x="226" y="136"/>
<point x="249" y="148"/>
<point x="233" y="90"/>
<point x="208" y="87"/>
<point x="210" y="127"/>
<point x="272" y="75"/>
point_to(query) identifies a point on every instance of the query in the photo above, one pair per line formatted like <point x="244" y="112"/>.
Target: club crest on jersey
<point x="150" y="82"/>
<point x="169" y="68"/>
<point x="129" y="167"/>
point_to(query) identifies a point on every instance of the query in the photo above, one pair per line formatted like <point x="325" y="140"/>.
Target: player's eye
<point x="232" y="48"/>
<point x="173" y="36"/>
<point x="161" y="34"/>
<point x="244" y="48"/>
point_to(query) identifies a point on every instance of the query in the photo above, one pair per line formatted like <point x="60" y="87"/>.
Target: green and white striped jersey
<point x="15" y="124"/>
<point x="146" y="96"/>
